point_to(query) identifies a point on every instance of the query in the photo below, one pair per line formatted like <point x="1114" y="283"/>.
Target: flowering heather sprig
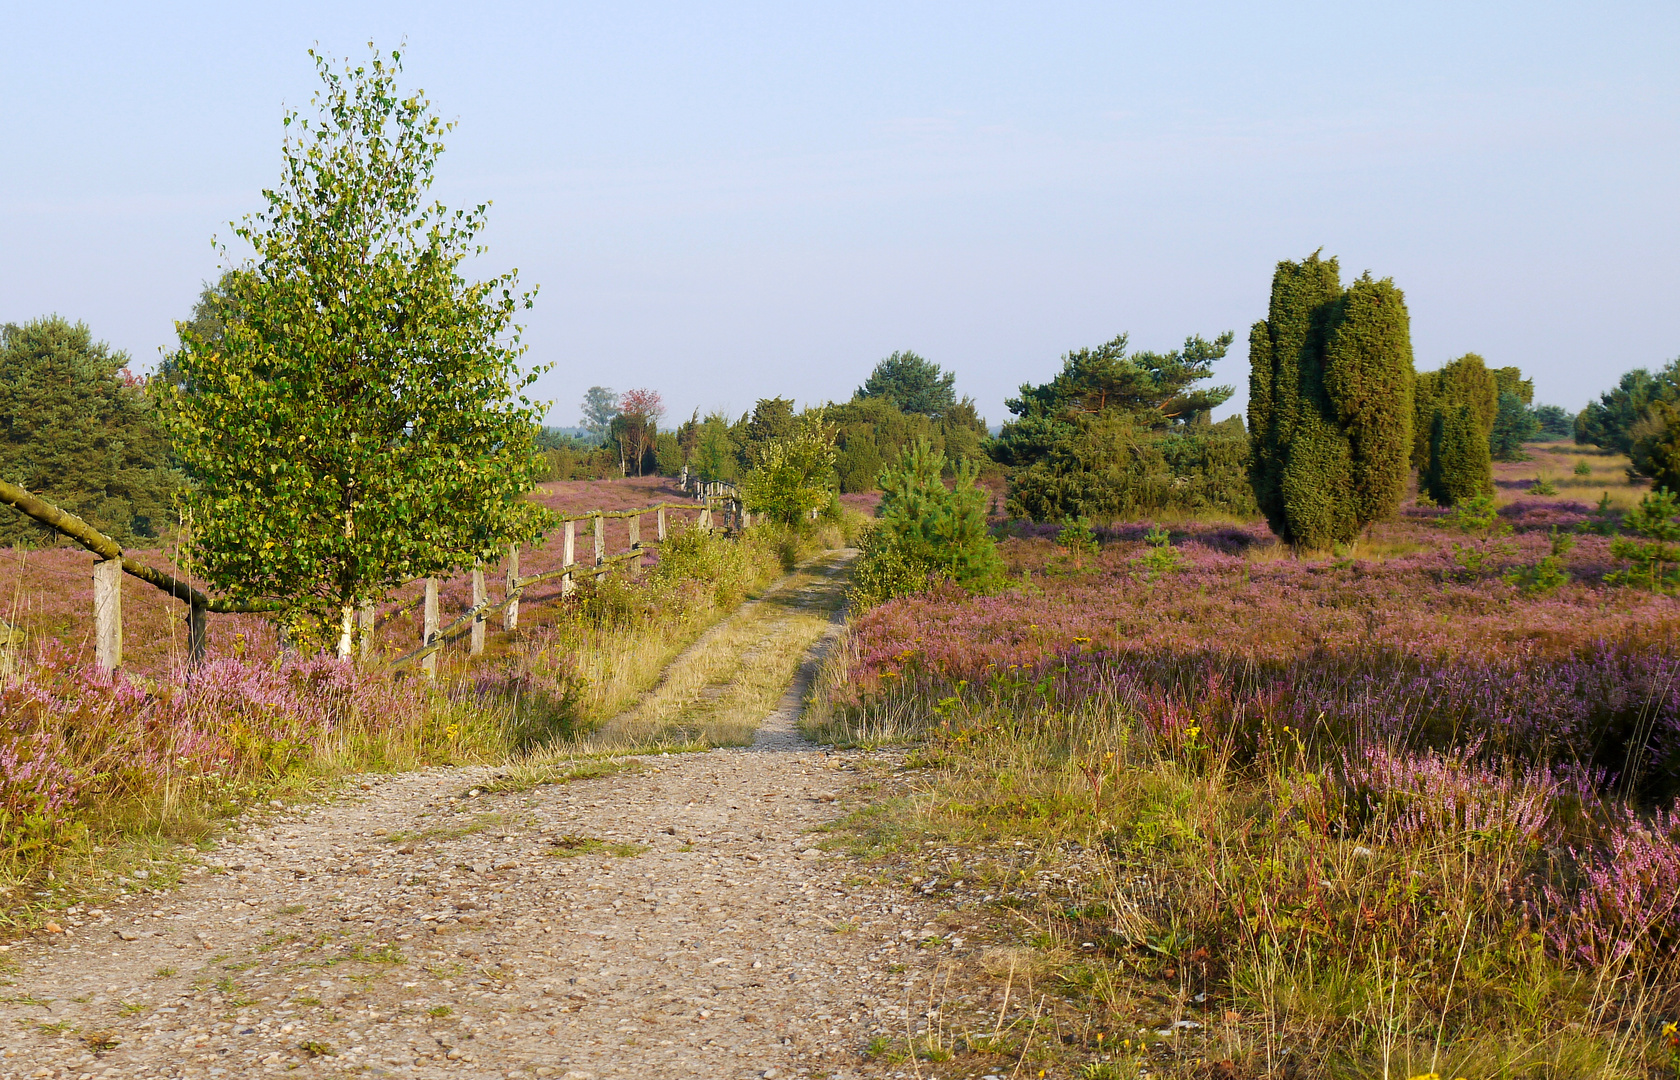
<point x="1439" y="795"/>
<point x="1628" y="900"/>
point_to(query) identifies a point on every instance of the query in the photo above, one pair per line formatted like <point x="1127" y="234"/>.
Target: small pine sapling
<point x="1550" y="573"/>
<point x="1603" y="519"/>
<point x="1078" y="540"/>
<point x="1542" y="486"/>
<point x="1583" y="469"/>
<point x="1654" y="548"/>
<point x="1478" y="517"/>
<point x="1160" y="557"/>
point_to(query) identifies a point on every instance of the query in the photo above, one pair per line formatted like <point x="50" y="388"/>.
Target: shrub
<point x="1582" y="469"/>
<point x="1656" y="447"/>
<point x="1652" y="550"/>
<point x="1330" y="403"/>
<point x="791" y="473"/>
<point x="926" y="531"/>
<point x="1112" y="467"/>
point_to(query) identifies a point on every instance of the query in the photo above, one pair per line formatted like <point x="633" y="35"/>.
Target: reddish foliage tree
<point x="641" y="411"/>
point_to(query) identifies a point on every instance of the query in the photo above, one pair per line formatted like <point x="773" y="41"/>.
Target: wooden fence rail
<point x="472" y="622"/>
<point x="112" y="563"/>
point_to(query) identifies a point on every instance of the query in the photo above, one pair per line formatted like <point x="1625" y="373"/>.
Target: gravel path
<point x="673" y="920"/>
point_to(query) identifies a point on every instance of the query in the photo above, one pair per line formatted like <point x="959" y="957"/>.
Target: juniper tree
<point x="358" y="422"/>
<point x="1461" y="392"/>
<point x="1368" y="377"/>
<point x="1330" y="408"/>
<point x="1460" y="465"/>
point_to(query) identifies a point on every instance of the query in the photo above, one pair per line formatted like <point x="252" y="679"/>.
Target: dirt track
<point x="673" y="920"/>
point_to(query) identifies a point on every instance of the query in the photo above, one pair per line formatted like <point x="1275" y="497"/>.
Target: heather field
<point x="1401" y="810"/>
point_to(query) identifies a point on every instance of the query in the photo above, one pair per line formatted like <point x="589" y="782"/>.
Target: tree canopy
<point x="77" y="429"/>
<point x="913" y="384"/>
<point x="1609" y="421"/>
<point x="600" y="405"/>
<point x="360" y="421"/>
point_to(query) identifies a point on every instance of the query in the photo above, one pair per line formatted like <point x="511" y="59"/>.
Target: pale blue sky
<point x="728" y="201"/>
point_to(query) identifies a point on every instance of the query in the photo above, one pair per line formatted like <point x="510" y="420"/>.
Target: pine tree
<point x="76" y="428"/>
<point x="927" y="531"/>
<point x="1330" y="406"/>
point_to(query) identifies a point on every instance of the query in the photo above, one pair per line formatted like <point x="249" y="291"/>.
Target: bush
<point x="1460" y="464"/>
<point x="1656" y="447"/>
<point x="1652" y="551"/>
<point x="1109" y="466"/>
<point x="926" y="531"/>
<point x="791" y="473"/>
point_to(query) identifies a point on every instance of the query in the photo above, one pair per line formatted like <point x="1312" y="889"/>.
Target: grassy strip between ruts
<point x="718" y="691"/>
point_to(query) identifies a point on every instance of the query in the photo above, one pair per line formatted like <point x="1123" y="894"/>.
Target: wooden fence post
<point x="364" y="630"/>
<point x="568" y="557"/>
<point x="600" y="539"/>
<point x="662" y="522"/>
<point x="198" y="633"/>
<point x="429" y="629"/>
<point x="634" y="521"/>
<point x="510" y="614"/>
<point x="478" y="619"/>
<point x="107" y="614"/>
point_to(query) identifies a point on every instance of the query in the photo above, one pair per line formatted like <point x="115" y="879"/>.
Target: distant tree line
<point x="1337" y="421"/>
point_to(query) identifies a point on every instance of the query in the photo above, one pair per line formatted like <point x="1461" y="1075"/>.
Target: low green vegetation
<point x="926" y="532"/>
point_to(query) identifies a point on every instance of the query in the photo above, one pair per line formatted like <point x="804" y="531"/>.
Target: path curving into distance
<point x="673" y="919"/>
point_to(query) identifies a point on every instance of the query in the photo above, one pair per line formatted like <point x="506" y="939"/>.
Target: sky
<point x="731" y="201"/>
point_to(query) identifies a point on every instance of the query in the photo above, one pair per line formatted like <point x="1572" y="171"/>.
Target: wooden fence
<point x="720" y="508"/>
